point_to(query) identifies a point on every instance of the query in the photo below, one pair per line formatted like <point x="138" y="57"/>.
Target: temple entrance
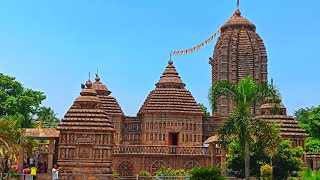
<point x="173" y="139"/>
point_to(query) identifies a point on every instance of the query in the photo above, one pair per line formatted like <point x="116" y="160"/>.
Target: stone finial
<point x="97" y="78"/>
<point x="170" y="62"/>
<point x="237" y="12"/>
<point x="88" y="84"/>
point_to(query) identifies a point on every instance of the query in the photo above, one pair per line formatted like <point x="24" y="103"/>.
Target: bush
<point x="145" y="173"/>
<point x="168" y="171"/>
<point x="307" y="174"/>
<point x="208" y="173"/>
<point x="266" y="172"/>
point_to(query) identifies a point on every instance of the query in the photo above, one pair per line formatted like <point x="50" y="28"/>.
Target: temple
<point x="86" y="139"/>
<point x="170" y="128"/>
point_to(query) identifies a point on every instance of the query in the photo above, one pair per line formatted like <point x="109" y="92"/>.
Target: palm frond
<point x="220" y="89"/>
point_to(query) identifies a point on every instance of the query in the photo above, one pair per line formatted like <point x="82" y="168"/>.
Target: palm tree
<point x="241" y="124"/>
<point x="46" y="117"/>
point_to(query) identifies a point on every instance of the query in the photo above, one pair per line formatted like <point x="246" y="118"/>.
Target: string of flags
<point x="195" y="48"/>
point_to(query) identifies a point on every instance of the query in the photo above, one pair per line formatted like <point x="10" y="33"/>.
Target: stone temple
<point x="170" y="128"/>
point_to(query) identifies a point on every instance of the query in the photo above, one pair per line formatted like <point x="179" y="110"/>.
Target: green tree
<point x="314" y="122"/>
<point x="302" y="116"/>
<point x="46" y="117"/>
<point x="286" y="160"/>
<point x="240" y="124"/>
<point x="15" y="100"/>
<point x="13" y="138"/>
<point x="309" y="119"/>
<point x="312" y="144"/>
<point x="204" y="109"/>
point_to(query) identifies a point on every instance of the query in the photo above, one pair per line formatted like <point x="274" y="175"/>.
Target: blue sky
<point x="51" y="46"/>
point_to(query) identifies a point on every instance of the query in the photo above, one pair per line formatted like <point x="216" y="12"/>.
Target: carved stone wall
<point x="130" y="165"/>
<point x="156" y="129"/>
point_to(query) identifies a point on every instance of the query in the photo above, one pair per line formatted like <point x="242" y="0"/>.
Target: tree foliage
<point x="15" y="100"/>
<point x="204" y="109"/>
<point x="302" y="116"/>
<point x="240" y="124"/>
<point x="307" y="174"/>
<point x="46" y="117"/>
<point x="309" y="119"/>
<point x="285" y="161"/>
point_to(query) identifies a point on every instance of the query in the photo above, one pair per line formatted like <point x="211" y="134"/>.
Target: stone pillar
<point x="21" y="159"/>
<point x="50" y="154"/>
<point x="314" y="163"/>
<point x="223" y="161"/>
<point x="213" y="154"/>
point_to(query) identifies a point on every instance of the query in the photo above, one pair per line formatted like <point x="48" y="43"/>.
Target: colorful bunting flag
<point x="195" y="48"/>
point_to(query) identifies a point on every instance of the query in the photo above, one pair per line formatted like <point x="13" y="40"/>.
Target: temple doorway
<point x="173" y="139"/>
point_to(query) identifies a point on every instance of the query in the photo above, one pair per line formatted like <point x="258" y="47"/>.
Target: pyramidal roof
<point x="108" y="103"/>
<point x="85" y="113"/>
<point x="170" y="96"/>
<point x="289" y="127"/>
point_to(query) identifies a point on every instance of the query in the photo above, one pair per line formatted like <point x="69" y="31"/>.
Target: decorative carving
<point x="105" y="139"/>
<point x="104" y="154"/>
<point x="98" y="139"/>
<point x="97" y="153"/>
<point x="125" y="168"/>
<point x="63" y="153"/>
<point x="83" y="153"/>
<point x="191" y="164"/>
<point x="70" y="153"/>
<point x="64" y="139"/>
<point x="156" y="165"/>
<point x="84" y="140"/>
<point x="71" y="138"/>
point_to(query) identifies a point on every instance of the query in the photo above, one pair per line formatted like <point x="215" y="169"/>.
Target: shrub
<point x="208" y="173"/>
<point x="307" y="174"/>
<point x="168" y="171"/>
<point x="266" y="172"/>
<point x="145" y="173"/>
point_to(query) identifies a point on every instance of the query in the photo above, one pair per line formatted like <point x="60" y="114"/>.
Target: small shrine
<point x="86" y="139"/>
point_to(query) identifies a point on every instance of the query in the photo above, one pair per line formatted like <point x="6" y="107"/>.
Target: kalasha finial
<point x="238" y="2"/>
<point x="237" y="13"/>
<point x="97" y="78"/>
<point x="89" y="84"/>
<point x="170" y="62"/>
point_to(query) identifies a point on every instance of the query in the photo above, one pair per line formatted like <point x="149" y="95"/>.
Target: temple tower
<point x="170" y="115"/>
<point x="239" y="53"/>
<point x="110" y="105"/>
<point x="86" y="139"/>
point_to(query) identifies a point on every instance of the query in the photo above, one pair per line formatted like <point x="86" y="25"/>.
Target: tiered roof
<point x="170" y="96"/>
<point x="109" y="103"/>
<point x="276" y="112"/>
<point x="85" y="113"/>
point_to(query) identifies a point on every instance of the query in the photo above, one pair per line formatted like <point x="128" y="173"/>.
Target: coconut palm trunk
<point x="247" y="160"/>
